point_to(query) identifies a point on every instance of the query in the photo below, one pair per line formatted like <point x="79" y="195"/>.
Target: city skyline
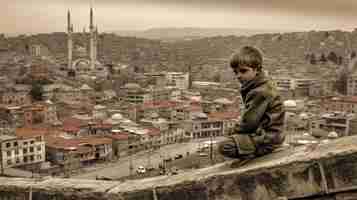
<point x="111" y="15"/>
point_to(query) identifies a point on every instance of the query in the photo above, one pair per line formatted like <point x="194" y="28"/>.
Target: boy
<point x="261" y="125"/>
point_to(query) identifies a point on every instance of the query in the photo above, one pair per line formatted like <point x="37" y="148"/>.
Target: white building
<point x="17" y="151"/>
<point x="178" y="79"/>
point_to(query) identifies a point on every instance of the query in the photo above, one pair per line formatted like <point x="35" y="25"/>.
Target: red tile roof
<point x="153" y="131"/>
<point x="76" y="143"/>
<point x="119" y="136"/>
<point x="96" y="140"/>
<point x="349" y="99"/>
<point x="31" y="132"/>
<point x="74" y="122"/>
<point x="70" y="128"/>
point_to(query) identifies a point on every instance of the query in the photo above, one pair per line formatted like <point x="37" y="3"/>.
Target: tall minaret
<point x="69" y="40"/>
<point x="92" y="40"/>
<point x="95" y="44"/>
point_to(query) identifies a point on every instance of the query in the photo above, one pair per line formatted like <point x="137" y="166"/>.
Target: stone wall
<point x="324" y="171"/>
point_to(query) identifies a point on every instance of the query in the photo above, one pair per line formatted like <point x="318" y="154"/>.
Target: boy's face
<point x="245" y="74"/>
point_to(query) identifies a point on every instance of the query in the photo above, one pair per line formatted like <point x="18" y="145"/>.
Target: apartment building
<point x="178" y="79"/>
<point x="26" y="148"/>
<point x="337" y="122"/>
<point x="346" y="104"/>
<point x="200" y="126"/>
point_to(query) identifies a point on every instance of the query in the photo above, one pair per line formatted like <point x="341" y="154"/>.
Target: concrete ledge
<point x="303" y="172"/>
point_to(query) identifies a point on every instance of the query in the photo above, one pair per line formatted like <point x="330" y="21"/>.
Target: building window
<point x="32" y="142"/>
<point x="15" y="144"/>
<point x="31" y="149"/>
<point x="25" y="143"/>
<point x="25" y="150"/>
<point x="16" y="151"/>
<point x="8" y="145"/>
<point x="8" y="153"/>
<point x="17" y="160"/>
<point x="9" y="162"/>
<point x="25" y="159"/>
<point x="39" y="157"/>
<point x="39" y="148"/>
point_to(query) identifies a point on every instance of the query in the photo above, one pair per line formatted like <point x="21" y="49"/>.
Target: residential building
<point x="229" y="120"/>
<point x="202" y="127"/>
<point x="17" y="96"/>
<point x="346" y="104"/>
<point x="72" y="153"/>
<point x="26" y="148"/>
<point x="120" y="143"/>
<point x="133" y="93"/>
<point x="178" y="79"/>
<point x="44" y="112"/>
<point x="337" y="122"/>
<point x="39" y="71"/>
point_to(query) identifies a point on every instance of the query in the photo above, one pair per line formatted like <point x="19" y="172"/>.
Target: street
<point x="121" y="168"/>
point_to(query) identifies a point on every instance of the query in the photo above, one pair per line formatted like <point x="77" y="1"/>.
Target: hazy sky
<point x="23" y="16"/>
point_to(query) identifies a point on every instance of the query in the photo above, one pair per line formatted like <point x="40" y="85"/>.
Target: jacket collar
<point x="259" y="80"/>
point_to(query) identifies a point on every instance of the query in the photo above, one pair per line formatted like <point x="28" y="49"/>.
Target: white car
<point x="141" y="170"/>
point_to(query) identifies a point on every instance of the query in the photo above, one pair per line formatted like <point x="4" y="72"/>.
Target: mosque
<point x="86" y="65"/>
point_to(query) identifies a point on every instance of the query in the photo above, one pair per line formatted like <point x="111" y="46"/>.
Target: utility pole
<point x="130" y="156"/>
<point x="211" y="149"/>
<point x="1" y="161"/>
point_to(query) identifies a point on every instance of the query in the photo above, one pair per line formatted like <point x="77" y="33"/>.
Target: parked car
<point x="174" y="171"/>
<point x="203" y="154"/>
<point x="149" y="168"/>
<point x="178" y="156"/>
<point x="141" y="170"/>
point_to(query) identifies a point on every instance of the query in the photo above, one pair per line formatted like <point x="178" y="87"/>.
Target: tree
<point x="36" y="92"/>
<point x="332" y="57"/>
<point x="340" y="60"/>
<point x="341" y="82"/>
<point x="323" y="58"/>
<point x="312" y="59"/>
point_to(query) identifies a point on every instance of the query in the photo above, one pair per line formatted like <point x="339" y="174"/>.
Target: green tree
<point x="323" y="58"/>
<point x="36" y="92"/>
<point x="312" y="59"/>
<point x="332" y="57"/>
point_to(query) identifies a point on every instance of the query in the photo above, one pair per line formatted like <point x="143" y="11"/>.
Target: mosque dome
<point x="117" y="116"/>
<point x="332" y="134"/>
<point x="304" y="116"/>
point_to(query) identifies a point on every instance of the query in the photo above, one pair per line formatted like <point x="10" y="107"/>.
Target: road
<point x="120" y="168"/>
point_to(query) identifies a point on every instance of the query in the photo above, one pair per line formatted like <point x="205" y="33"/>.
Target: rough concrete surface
<point x="327" y="170"/>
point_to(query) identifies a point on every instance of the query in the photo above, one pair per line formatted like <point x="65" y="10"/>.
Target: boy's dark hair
<point x="247" y="56"/>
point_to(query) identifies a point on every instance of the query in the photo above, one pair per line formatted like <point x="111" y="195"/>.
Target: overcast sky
<point x="24" y="16"/>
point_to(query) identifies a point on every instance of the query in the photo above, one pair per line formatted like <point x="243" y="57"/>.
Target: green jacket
<point x="263" y="116"/>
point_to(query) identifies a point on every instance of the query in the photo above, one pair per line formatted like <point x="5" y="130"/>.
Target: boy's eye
<point x="240" y="71"/>
<point x="243" y="71"/>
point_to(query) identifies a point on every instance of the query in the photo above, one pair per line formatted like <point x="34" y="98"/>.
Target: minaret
<point x="95" y="46"/>
<point x="69" y="40"/>
<point x="92" y="40"/>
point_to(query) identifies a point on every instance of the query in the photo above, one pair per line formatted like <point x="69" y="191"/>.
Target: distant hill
<point x="192" y="33"/>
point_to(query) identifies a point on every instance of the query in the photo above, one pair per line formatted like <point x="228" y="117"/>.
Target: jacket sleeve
<point x="255" y="107"/>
